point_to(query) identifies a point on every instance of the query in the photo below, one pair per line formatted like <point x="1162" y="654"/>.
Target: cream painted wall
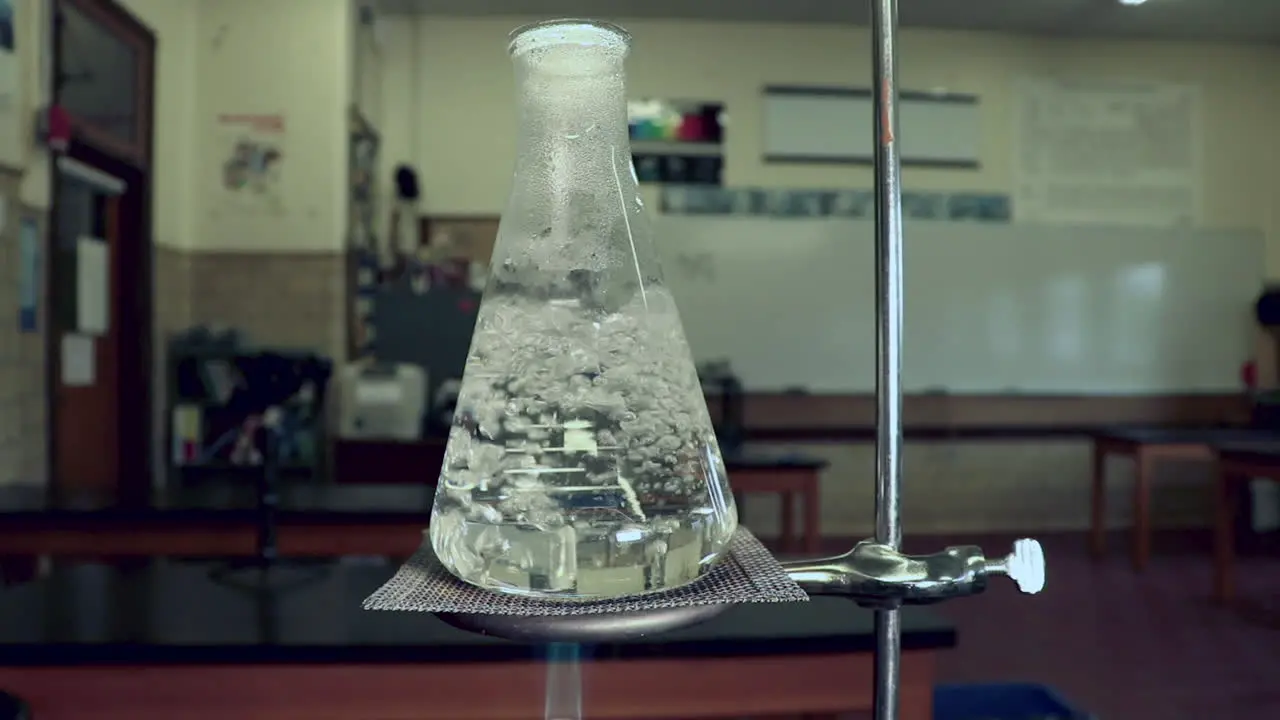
<point x="448" y="102"/>
<point x="292" y="57"/>
<point x="32" y="22"/>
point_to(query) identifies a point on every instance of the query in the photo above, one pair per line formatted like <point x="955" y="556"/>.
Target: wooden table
<point x="1147" y="447"/>
<point x="1237" y="463"/>
<point x="792" y="477"/>
<point x="165" y="641"/>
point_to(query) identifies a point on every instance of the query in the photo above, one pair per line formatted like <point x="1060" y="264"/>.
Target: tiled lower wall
<point x="23" y="410"/>
<point x="278" y="300"/>
<point x="291" y="301"/>
<point x="171" y="293"/>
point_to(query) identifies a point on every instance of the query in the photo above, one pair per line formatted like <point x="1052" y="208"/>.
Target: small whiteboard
<point x="837" y="125"/>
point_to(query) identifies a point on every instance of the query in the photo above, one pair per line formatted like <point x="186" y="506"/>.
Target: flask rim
<point x="551" y="33"/>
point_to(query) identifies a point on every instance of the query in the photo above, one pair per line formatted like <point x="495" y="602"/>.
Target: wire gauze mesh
<point x="748" y="573"/>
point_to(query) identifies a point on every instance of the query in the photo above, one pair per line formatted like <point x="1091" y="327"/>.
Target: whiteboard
<point x="989" y="308"/>
<point x="1108" y="152"/>
<point x="838" y="125"/>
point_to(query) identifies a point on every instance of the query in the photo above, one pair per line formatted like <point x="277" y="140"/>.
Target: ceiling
<point x="1220" y="20"/>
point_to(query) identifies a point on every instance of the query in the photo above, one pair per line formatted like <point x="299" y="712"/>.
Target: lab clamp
<point x="873" y="575"/>
<point x="876" y="575"/>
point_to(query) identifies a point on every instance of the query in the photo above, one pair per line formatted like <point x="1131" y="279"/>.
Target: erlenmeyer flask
<point x="582" y="462"/>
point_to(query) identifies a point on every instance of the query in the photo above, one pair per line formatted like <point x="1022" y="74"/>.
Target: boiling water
<point x="582" y="462"/>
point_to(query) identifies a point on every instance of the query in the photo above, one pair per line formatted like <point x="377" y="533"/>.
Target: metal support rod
<point x="888" y="215"/>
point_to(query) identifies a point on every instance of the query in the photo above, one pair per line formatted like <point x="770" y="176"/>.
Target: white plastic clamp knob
<point x="1025" y="566"/>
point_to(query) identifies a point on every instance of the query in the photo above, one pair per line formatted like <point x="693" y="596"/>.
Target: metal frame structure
<point x="956" y="571"/>
<point x="889" y="310"/>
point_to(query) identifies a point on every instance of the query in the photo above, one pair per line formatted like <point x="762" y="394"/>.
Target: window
<point x="104" y="68"/>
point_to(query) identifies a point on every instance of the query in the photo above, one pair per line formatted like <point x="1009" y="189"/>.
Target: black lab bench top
<point x="161" y="612"/>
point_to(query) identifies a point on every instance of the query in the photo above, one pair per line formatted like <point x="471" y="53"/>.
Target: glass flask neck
<point x="574" y="193"/>
<point x="573" y="111"/>
<point x="589" y="101"/>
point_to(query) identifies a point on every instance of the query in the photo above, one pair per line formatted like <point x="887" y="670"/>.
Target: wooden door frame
<point x="119" y="22"/>
<point x="130" y="162"/>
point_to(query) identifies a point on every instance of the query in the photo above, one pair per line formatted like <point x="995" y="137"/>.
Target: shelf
<point x="667" y="147"/>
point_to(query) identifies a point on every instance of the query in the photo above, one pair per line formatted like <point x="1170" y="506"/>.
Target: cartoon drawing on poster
<point x="252" y="168"/>
<point x="10" y="87"/>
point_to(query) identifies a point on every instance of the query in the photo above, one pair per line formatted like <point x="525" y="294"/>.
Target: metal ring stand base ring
<point x="585" y="628"/>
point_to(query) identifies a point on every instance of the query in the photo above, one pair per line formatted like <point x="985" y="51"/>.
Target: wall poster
<point x="1107" y="151"/>
<point x="252" y="165"/>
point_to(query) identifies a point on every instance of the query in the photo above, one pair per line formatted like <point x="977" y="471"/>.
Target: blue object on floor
<point x="1002" y="701"/>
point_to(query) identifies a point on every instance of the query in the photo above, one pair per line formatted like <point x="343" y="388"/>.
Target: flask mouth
<point x="607" y="39"/>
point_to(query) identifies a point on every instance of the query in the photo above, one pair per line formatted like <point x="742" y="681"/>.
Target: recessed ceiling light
<point x="1132" y="2"/>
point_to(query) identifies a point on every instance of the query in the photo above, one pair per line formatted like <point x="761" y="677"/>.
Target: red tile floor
<point x="1126" y="645"/>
